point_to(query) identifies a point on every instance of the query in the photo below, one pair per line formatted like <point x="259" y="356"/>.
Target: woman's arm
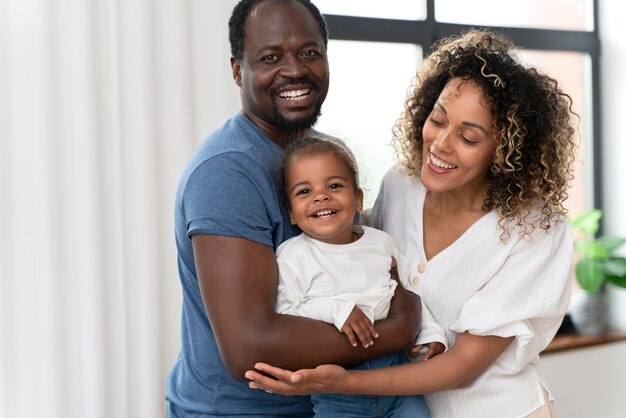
<point x="469" y="357"/>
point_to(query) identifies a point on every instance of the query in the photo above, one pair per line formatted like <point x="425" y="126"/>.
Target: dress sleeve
<point x="527" y="298"/>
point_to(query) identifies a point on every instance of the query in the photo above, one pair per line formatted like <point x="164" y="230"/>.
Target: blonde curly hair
<point x="532" y="122"/>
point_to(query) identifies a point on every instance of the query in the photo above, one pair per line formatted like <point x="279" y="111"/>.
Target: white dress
<point x="326" y="281"/>
<point x="483" y="286"/>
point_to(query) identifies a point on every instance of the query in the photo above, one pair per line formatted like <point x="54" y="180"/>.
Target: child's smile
<point x="322" y="197"/>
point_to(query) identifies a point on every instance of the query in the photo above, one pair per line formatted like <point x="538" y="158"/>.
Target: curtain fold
<point x="101" y="105"/>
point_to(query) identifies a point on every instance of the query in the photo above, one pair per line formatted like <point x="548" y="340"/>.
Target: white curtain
<point x="101" y="104"/>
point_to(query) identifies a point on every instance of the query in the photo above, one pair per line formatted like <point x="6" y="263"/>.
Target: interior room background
<point x="101" y="105"/>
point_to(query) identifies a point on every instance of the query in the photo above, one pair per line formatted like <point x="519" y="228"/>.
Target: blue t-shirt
<point x="231" y="187"/>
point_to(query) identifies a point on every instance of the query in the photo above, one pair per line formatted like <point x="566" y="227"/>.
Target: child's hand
<point x="358" y="323"/>
<point x="426" y="351"/>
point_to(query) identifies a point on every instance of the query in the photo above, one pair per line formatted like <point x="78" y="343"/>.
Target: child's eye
<point x="303" y="192"/>
<point x="334" y="186"/>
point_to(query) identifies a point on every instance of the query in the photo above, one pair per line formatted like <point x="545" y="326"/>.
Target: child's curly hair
<point x="532" y="122"/>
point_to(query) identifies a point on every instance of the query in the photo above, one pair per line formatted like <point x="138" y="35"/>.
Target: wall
<point x="613" y="60"/>
<point x="590" y="382"/>
<point x="587" y="382"/>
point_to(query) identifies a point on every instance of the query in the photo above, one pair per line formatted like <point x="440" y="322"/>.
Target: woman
<point x="486" y="149"/>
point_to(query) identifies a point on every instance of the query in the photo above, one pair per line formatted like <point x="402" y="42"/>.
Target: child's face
<point x="322" y="197"/>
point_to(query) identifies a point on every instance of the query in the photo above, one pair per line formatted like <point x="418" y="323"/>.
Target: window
<point x="381" y="42"/>
<point x="369" y="81"/>
<point x="390" y="9"/>
<point x="540" y="14"/>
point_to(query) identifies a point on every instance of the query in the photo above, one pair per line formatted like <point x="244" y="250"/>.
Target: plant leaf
<point x="588" y="222"/>
<point x="592" y="249"/>
<point x="615" y="267"/>
<point x="611" y="243"/>
<point x="618" y="281"/>
<point x="590" y="274"/>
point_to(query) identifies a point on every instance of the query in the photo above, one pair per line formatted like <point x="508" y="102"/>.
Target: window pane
<point x="573" y="72"/>
<point x="368" y="85"/>
<point x="389" y="9"/>
<point x="544" y="14"/>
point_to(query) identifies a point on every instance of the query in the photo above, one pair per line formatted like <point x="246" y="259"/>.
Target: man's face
<point x="284" y="74"/>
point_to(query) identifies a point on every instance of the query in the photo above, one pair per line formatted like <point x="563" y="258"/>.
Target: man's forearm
<point x="293" y="343"/>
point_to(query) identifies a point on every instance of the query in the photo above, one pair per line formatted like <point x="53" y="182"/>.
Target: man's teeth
<point x="324" y="213"/>
<point x="441" y="164"/>
<point x="294" y="94"/>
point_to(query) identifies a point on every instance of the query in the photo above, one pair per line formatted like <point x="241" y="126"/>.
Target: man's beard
<point x="296" y="128"/>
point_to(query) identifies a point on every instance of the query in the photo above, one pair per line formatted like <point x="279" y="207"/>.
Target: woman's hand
<point x="326" y="378"/>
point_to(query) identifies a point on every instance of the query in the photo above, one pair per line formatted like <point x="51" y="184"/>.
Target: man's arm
<point x="238" y="279"/>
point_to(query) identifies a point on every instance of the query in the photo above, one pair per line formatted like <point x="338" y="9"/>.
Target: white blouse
<point x="484" y="286"/>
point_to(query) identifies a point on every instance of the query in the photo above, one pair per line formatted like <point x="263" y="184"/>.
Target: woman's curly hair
<point x="532" y="122"/>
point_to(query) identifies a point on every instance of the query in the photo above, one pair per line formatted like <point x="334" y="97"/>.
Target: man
<point x="230" y="217"/>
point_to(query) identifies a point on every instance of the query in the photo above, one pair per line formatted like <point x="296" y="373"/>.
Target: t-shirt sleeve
<point x="527" y="298"/>
<point x="223" y="196"/>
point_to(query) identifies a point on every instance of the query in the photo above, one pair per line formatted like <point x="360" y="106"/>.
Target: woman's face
<point x="459" y="142"/>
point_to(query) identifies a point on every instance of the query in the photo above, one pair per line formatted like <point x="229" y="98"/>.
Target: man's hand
<point x="358" y="323"/>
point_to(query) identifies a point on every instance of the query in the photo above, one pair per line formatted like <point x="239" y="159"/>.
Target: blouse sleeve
<point x="527" y="298"/>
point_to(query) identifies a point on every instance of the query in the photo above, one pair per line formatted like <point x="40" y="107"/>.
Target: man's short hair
<point x="237" y="23"/>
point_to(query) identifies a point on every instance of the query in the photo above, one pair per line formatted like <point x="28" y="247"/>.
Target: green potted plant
<point x="596" y="264"/>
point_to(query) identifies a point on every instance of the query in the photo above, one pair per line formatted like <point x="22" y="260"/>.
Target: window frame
<point x="426" y="32"/>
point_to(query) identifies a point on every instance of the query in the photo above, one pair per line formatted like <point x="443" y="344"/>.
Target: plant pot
<point x="589" y="312"/>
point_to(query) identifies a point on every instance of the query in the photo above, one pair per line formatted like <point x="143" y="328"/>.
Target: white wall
<point x="587" y="382"/>
<point x="613" y="61"/>
<point x="210" y="47"/>
<point x="590" y="382"/>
